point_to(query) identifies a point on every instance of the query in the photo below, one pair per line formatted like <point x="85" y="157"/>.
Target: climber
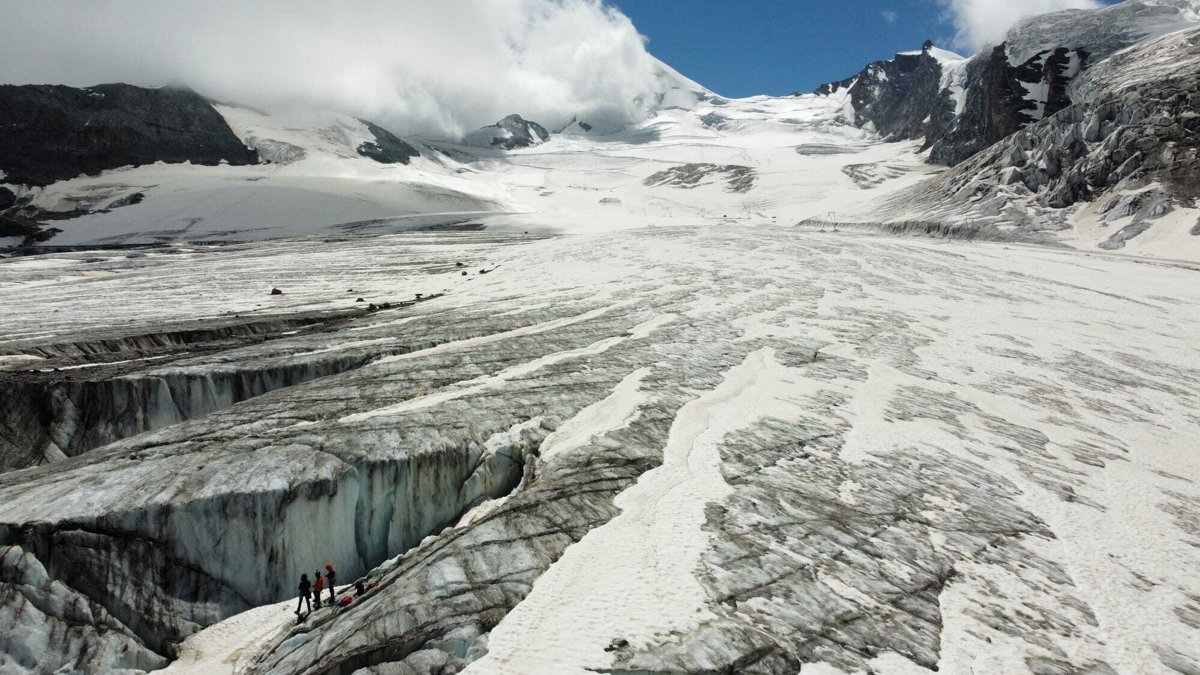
<point x="331" y="575"/>
<point x="359" y="589"/>
<point x="305" y="594"/>
<point x="317" y="586"/>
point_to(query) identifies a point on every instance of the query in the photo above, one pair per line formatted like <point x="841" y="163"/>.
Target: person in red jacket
<point x="318" y="584"/>
<point x="331" y="576"/>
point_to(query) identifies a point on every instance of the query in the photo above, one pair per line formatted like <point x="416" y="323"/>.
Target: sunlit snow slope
<point x="699" y="158"/>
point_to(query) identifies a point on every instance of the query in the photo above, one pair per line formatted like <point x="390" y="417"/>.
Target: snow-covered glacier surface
<point x="315" y="181"/>
<point x="661" y="449"/>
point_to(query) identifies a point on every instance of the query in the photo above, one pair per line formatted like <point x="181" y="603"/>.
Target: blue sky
<point x="744" y="47"/>
<point x="740" y="48"/>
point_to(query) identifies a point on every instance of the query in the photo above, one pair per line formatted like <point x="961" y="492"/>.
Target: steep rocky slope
<point x="51" y="133"/>
<point x="906" y="98"/>
<point x="960" y="107"/>
<point x="510" y="133"/>
<point x="1127" y="151"/>
<point x="1077" y="129"/>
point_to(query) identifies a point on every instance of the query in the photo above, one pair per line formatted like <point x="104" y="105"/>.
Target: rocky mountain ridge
<point x="1130" y="149"/>
<point x="51" y="132"/>
<point x="1038" y="124"/>
<point x="961" y="106"/>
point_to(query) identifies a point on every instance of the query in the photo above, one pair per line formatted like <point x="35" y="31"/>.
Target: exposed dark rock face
<point x="517" y="132"/>
<point x="903" y="98"/>
<point x="1003" y="89"/>
<point x="51" y="133"/>
<point x="867" y="176"/>
<point x="1136" y="123"/>
<point x="1002" y="99"/>
<point x="387" y="148"/>
<point x="12" y="225"/>
<point x="7" y="198"/>
<point x="127" y="200"/>
<point x="908" y="97"/>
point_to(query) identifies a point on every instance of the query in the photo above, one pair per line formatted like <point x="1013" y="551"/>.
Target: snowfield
<point x="697" y="158"/>
<point x="656" y="449"/>
<point x="578" y="181"/>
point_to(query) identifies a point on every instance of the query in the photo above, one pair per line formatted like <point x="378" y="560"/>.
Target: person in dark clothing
<point x="318" y="585"/>
<point x="305" y="594"/>
<point x="330" y="575"/>
<point x="359" y="589"/>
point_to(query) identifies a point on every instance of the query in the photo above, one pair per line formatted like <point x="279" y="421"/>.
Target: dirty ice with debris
<point x="898" y="376"/>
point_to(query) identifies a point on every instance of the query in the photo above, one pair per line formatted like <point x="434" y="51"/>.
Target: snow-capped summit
<point x="912" y="95"/>
<point x="942" y="55"/>
<point x="676" y="90"/>
<point x="510" y="133"/>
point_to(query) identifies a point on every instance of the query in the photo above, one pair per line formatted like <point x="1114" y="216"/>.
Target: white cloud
<point x="889" y="16"/>
<point x="985" y="22"/>
<point x="416" y="66"/>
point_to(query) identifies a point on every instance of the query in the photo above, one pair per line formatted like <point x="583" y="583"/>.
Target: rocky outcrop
<point x="1132" y="142"/>
<point x="19" y="227"/>
<point x="51" y="133"/>
<point x="387" y="148"/>
<point x="960" y="108"/>
<point x="511" y="133"/>
<point x="737" y="178"/>
<point x="1002" y="98"/>
<point x="902" y="99"/>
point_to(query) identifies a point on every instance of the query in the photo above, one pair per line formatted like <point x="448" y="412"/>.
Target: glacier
<point x="956" y="452"/>
<point x="759" y="385"/>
